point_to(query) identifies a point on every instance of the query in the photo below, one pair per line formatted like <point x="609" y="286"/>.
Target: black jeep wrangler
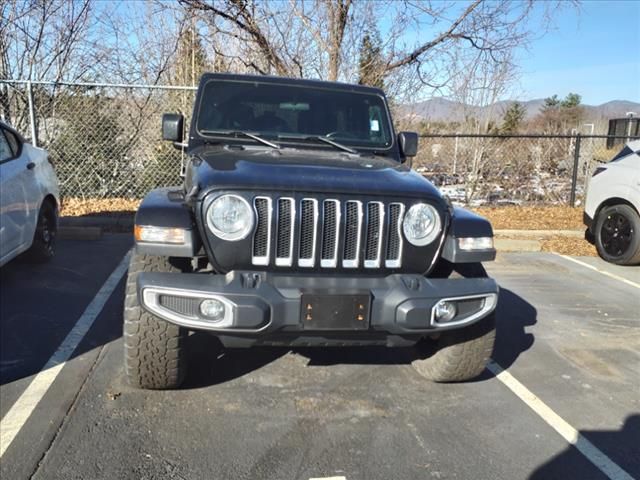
<point x="301" y="223"/>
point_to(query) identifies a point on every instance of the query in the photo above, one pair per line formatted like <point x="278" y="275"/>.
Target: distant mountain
<point x="444" y="110"/>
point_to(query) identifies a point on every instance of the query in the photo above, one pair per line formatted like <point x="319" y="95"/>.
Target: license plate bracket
<point x="335" y="312"/>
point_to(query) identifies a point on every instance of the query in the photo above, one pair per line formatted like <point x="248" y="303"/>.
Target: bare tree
<point x="477" y="91"/>
<point x="321" y="38"/>
<point x="42" y="40"/>
<point x="45" y="39"/>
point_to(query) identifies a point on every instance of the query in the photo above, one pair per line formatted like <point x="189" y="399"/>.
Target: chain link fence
<point x="514" y="169"/>
<point x="105" y="141"/>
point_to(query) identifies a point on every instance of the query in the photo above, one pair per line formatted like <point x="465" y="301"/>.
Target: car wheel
<point x="458" y="355"/>
<point x="154" y="354"/>
<point x="43" y="247"/>
<point x="617" y="235"/>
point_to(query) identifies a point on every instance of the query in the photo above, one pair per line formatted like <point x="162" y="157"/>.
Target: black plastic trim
<point x="465" y="223"/>
<point x="162" y="208"/>
<point x="279" y="297"/>
<point x="165" y="207"/>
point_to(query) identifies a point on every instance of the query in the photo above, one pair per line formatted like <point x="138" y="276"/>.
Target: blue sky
<point x="595" y="53"/>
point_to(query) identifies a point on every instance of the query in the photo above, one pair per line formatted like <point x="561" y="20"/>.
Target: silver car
<point x="29" y="199"/>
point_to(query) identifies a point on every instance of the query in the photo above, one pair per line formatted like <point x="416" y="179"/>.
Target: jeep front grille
<point x="334" y="233"/>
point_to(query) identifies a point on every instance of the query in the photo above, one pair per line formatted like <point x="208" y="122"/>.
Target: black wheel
<point x="458" y="355"/>
<point x="43" y="247"/>
<point x="154" y="354"/>
<point x="617" y="235"/>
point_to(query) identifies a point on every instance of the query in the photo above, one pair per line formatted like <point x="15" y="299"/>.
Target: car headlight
<point x="230" y="217"/>
<point x="421" y="224"/>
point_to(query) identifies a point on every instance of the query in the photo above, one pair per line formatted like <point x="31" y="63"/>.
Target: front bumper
<point x="263" y="307"/>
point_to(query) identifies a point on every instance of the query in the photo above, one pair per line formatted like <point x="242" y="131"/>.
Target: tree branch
<point x="414" y="55"/>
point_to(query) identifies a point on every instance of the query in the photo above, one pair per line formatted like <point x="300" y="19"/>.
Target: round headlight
<point x="421" y="224"/>
<point x="230" y="217"/>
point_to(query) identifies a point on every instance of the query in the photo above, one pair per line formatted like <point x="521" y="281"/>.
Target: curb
<point x="516" y="245"/>
<point x="79" y="233"/>
<point x="91" y="227"/>
<point x="121" y="221"/>
<point x="541" y="234"/>
<point x="529" y="240"/>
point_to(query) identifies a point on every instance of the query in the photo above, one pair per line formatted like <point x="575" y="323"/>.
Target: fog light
<point x="212" y="309"/>
<point x="445" y="311"/>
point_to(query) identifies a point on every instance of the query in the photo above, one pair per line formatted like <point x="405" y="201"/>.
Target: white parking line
<point x="329" y="478"/>
<point x="603" y="272"/>
<point x="17" y="416"/>
<point x="570" y="434"/>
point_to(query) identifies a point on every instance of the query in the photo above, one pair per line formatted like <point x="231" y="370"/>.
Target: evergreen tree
<point x="561" y="116"/>
<point x="512" y="119"/>
<point x="550" y="103"/>
<point x="371" y="65"/>
<point x="572" y="100"/>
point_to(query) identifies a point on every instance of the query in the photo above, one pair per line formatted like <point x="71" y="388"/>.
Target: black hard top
<point x="289" y="81"/>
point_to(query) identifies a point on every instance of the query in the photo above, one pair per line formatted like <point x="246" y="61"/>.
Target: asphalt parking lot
<point x="560" y="401"/>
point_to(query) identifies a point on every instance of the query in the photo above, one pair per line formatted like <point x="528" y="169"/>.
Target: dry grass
<point x="77" y="207"/>
<point x="533" y="217"/>
<point x="543" y="218"/>
<point x="569" y="246"/>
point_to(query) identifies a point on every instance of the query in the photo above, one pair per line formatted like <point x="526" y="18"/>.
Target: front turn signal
<point x="149" y="234"/>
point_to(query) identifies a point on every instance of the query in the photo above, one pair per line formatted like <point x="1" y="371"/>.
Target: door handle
<point x="30" y="166"/>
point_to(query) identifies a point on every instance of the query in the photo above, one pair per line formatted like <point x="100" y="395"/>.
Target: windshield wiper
<point x="239" y="133"/>
<point x="326" y="140"/>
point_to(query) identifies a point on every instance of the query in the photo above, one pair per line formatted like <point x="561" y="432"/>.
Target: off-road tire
<point x="43" y="247"/>
<point x="154" y="354"/>
<point x="458" y="355"/>
<point x="631" y="256"/>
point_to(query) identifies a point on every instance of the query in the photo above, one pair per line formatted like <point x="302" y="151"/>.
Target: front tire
<point x="458" y="355"/>
<point x="154" y="355"/>
<point x="43" y="247"/>
<point x="617" y="235"/>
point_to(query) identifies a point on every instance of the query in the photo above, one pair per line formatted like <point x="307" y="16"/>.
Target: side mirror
<point x="172" y="127"/>
<point x="408" y="143"/>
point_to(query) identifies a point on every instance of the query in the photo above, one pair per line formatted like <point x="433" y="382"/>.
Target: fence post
<point x="32" y="116"/>
<point x="574" y="178"/>
<point x="455" y="155"/>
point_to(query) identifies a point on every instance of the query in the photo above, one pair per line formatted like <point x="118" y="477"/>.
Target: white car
<point x="612" y="206"/>
<point x="29" y="199"/>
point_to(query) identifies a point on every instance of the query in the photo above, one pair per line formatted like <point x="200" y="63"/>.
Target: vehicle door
<point x="17" y="187"/>
<point x="633" y="162"/>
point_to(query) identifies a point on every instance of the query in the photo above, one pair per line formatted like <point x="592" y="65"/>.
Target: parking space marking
<point x="603" y="272"/>
<point x="17" y="416"/>
<point x="566" y="431"/>
<point x="329" y="478"/>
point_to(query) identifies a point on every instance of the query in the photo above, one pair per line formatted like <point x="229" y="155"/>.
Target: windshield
<point x="293" y="113"/>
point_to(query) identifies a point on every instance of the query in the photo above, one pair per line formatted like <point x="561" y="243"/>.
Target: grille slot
<point x="394" y="241"/>
<point x="284" y="247"/>
<point x="332" y="232"/>
<point x="375" y="224"/>
<point x="353" y="224"/>
<point x="308" y="232"/>
<point x="262" y="236"/>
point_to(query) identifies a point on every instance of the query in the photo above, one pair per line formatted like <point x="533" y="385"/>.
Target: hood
<point x="307" y="170"/>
